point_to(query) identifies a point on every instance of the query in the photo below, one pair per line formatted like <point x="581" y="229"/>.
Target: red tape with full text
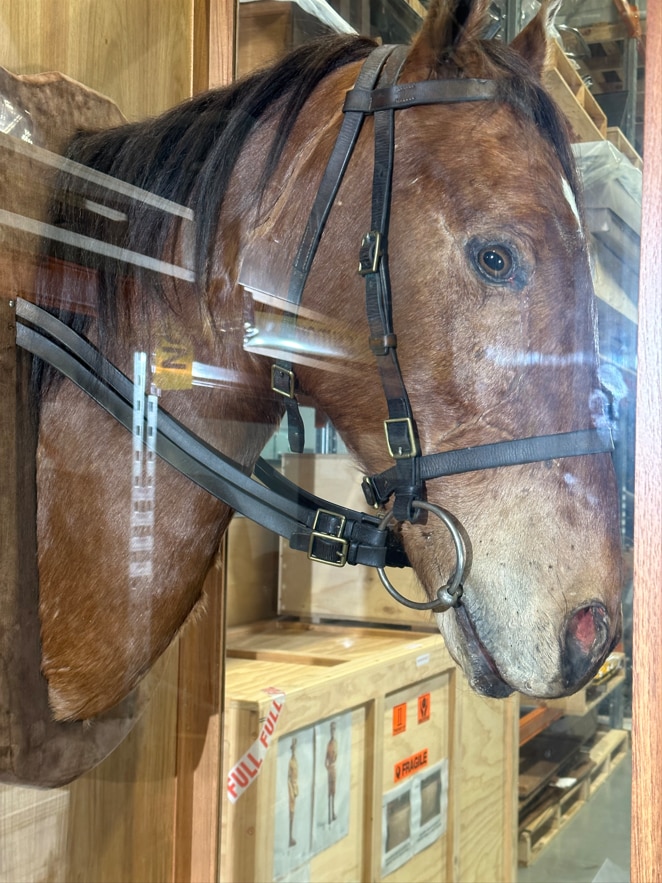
<point x="247" y="768"/>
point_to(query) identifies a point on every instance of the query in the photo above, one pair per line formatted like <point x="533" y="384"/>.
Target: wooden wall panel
<point x="150" y="811"/>
<point x="215" y="40"/>
<point x="647" y="627"/>
<point x="138" y="52"/>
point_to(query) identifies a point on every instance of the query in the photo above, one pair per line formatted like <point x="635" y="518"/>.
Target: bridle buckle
<point x="401" y="438"/>
<point x="283" y="381"/>
<point x="327" y="543"/>
<point x="370" y="253"/>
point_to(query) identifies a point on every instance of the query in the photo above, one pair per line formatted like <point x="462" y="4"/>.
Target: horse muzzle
<point x="587" y="637"/>
<point x="586" y="644"/>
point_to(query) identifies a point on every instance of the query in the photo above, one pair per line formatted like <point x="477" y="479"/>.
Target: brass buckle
<point x="328" y="546"/>
<point x="283" y="374"/>
<point x="370" y="253"/>
<point x="402" y="447"/>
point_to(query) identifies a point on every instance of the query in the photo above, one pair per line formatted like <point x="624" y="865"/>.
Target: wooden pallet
<point x="587" y="120"/>
<point x="607" y="753"/>
<point x="542" y="825"/>
<point x="539" y="826"/>
<point x="620" y="142"/>
<point x="585" y="116"/>
<point x="606" y="63"/>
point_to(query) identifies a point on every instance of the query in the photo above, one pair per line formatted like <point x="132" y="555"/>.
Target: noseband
<point x="329" y="533"/>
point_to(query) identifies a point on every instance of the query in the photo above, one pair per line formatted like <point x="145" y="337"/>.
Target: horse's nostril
<point x="586" y="638"/>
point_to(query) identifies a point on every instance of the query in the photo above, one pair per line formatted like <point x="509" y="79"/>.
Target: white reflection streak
<point x="48" y="231"/>
<point x="64" y="164"/>
<point x="572" y="202"/>
<point x="524" y="359"/>
<point x="143" y="475"/>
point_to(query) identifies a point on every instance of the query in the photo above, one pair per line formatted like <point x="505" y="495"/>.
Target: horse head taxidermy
<point x="454" y="187"/>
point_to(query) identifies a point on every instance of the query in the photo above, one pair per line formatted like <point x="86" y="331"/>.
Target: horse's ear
<point x="532" y="41"/>
<point x="448" y="26"/>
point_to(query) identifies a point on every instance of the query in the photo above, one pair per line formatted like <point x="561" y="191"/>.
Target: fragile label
<point x="410" y="765"/>
<point x="243" y="773"/>
<point x="399" y="718"/>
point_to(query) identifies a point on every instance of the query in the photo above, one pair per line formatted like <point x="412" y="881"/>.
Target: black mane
<point x="187" y="155"/>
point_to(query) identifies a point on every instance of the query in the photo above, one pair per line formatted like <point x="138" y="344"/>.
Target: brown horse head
<point x="493" y="309"/>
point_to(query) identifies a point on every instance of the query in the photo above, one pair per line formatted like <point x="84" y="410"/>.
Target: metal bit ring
<point x="449" y="594"/>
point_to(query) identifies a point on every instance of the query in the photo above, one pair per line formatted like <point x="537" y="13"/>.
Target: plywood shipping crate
<point x="251" y="572"/>
<point x="343" y="760"/>
<point x="311" y="590"/>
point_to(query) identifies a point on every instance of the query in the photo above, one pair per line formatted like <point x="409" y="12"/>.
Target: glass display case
<point x="311" y="574"/>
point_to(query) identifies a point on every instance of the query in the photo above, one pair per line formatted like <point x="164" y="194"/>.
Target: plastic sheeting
<point x="610" y="181"/>
<point x="612" y="196"/>
<point x="13" y="121"/>
<point x="322" y="11"/>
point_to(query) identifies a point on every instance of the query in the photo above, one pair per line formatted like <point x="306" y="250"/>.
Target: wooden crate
<point x="585" y="116"/>
<point x="407" y="789"/>
<point x="362" y="688"/>
<point x="315" y="591"/>
<point x="251" y="572"/>
<point x="488" y="772"/>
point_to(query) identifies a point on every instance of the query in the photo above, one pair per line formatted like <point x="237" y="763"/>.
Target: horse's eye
<point x="495" y="262"/>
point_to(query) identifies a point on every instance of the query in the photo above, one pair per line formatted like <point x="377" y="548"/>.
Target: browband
<point x="402" y="95"/>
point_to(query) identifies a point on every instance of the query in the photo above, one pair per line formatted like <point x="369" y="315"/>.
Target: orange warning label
<point x="424" y="708"/>
<point x="399" y="718"/>
<point x="410" y="765"/>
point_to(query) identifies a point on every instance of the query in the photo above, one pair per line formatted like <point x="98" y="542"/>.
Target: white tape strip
<point x="244" y="772"/>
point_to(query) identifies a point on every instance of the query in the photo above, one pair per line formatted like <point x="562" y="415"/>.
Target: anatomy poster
<point x="333" y="741"/>
<point x="293" y="803"/>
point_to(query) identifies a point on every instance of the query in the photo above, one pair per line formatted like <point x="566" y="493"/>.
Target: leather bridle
<point x="329" y="533"/>
<point x="377" y="93"/>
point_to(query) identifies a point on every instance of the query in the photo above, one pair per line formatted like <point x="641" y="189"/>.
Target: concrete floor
<point x="594" y="847"/>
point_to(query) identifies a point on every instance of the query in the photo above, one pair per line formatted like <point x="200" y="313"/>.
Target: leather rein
<point x="328" y="533"/>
